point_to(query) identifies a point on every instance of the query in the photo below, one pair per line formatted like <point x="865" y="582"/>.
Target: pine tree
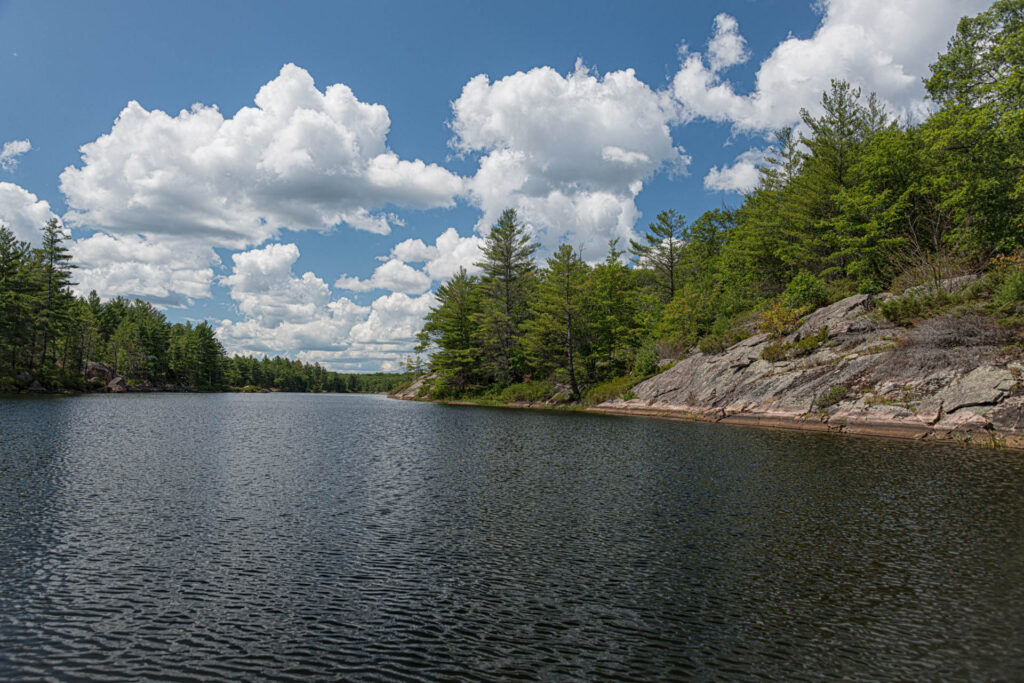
<point x="16" y="311"/>
<point x="56" y="262"/>
<point x="559" y="331"/>
<point x="662" y="250"/>
<point x="453" y="328"/>
<point x="508" y="277"/>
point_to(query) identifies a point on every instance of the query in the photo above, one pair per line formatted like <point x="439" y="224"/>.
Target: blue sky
<point x="316" y="220"/>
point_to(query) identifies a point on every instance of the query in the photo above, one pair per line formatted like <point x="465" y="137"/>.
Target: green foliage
<point x="779" y="319"/>
<point x="453" y="327"/>
<point x="1010" y="292"/>
<point x="777" y="351"/>
<point x="716" y="342"/>
<point x="646" y="361"/>
<point x="506" y="285"/>
<point x="662" y="249"/>
<point x="805" y="291"/>
<point x="832" y="397"/>
<point x="559" y="332"/>
<point x="532" y="392"/>
<point x="978" y="132"/>
<point x="907" y="309"/>
<point x="616" y="387"/>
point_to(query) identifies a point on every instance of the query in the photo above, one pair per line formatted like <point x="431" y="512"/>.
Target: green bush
<point x="1010" y="292"/>
<point x="832" y="396"/>
<point x="906" y="309"/>
<point x="774" y="352"/>
<point x="716" y="343"/>
<point x="779" y="319"/>
<point x="613" y="388"/>
<point x="646" y="361"/>
<point x="777" y="351"/>
<point x="527" y="391"/>
<point x="809" y="344"/>
<point x="805" y="291"/>
<point x="868" y="286"/>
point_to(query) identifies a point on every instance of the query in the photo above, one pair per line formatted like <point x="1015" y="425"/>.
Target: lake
<point x="302" y="536"/>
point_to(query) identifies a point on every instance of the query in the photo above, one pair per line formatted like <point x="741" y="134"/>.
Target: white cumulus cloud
<point x="442" y="259"/>
<point x="741" y="176"/>
<point x="301" y="158"/>
<point x="23" y="212"/>
<point x="882" y="46"/>
<point x="392" y="275"/>
<point x="10" y="152"/>
<point x="166" y="272"/>
<point x="727" y="47"/>
<point x="570" y="153"/>
<point x="296" y="316"/>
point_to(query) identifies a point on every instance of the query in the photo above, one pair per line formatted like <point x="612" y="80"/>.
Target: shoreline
<point x="903" y="431"/>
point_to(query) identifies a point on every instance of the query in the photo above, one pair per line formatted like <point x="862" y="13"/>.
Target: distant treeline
<point x="47" y="336"/>
<point x="859" y="202"/>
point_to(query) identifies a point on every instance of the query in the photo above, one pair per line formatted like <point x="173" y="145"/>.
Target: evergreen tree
<point x="452" y="326"/>
<point x="16" y="310"/>
<point x="56" y="273"/>
<point x="559" y="331"/>
<point x="662" y="249"/>
<point x="508" y="277"/>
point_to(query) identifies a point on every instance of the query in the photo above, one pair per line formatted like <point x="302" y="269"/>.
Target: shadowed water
<point x="181" y="536"/>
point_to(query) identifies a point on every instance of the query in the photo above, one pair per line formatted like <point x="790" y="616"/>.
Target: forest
<point x="48" y="335"/>
<point x="857" y="201"/>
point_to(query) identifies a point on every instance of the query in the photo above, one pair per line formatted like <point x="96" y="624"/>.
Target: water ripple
<point x="186" y="537"/>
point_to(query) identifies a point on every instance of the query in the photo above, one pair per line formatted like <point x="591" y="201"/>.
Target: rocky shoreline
<point x="846" y="369"/>
<point x="947" y="378"/>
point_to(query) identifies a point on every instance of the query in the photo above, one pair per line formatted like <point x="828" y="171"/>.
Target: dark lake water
<point x="316" y="536"/>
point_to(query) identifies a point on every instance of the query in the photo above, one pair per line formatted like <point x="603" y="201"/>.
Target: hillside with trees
<point x="857" y="202"/>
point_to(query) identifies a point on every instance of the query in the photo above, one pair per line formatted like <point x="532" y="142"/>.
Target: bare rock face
<point x="413" y="390"/>
<point x="101" y="371"/>
<point x="943" y="379"/>
<point x="117" y="385"/>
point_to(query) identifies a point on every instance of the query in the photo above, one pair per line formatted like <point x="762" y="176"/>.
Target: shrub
<point x="906" y="309"/>
<point x="805" y="291"/>
<point x="716" y="343"/>
<point x="613" y="388"/>
<point x="646" y="361"/>
<point x="1010" y="292"/>
<point x="868" y="286"/>
<point x="527" y="391"/>
<point x="832" y="396"/>
<point x="809" y="344"/>
<point x="777" y="351"/>
<point x="779" y="319"/>
<point x="774" y="352"/>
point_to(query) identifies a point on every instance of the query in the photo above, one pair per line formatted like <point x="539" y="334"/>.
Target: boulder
<point x="117" y="385"/>
<point x="101" y="371"/>
<point x="36" y="387"/>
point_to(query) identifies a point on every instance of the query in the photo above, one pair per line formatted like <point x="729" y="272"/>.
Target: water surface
<point x="326" y="536"/>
